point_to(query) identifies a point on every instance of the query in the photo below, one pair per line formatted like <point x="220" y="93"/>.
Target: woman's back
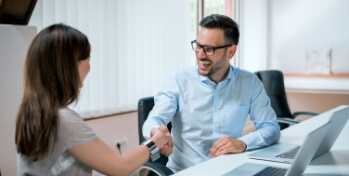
<point x="72" y="131"/>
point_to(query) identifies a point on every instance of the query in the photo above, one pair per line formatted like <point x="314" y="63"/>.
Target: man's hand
<point x="226" y="145"/>
<point x="168" y="148"/>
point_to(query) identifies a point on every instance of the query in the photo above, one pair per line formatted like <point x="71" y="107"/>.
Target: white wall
<point x="252" y="48"/>
<point x="300" y="25"/>
<point x="14" y="43"/>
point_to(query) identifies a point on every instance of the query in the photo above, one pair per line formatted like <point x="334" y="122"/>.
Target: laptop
<point x="285" y="152"/>
<point x="301" y="160"/>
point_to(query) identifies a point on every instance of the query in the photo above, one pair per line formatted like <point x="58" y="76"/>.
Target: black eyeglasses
<point x="208" y="50"/>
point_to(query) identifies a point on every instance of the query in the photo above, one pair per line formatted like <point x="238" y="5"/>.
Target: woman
<point x="51" y="139"/>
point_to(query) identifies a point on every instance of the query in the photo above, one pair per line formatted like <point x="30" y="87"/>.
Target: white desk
<point x="334" y="162"/>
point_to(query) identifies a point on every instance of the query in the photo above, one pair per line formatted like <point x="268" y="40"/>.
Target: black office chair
<point x="158" y="167"/>
<point x="273" y="81"/>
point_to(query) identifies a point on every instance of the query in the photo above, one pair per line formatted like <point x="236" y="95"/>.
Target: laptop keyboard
<point x="271" y="171"/>
<point x="289" y="154"/>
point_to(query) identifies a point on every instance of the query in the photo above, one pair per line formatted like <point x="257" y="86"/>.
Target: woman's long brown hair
<point x="51" y="81"/>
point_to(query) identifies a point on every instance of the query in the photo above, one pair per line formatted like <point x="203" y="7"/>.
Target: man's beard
<point x="214" y="68"/>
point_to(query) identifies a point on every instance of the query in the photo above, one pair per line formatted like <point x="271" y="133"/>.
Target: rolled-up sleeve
<point x="164" y="109"/>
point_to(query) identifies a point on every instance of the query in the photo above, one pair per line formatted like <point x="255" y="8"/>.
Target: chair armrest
<point x="156" y="168"/>
<point x="295" y="114"/>
<point x="287" y="120"/>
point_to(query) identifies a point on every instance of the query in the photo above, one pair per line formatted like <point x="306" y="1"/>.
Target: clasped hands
<point x="223" y="145"/>
<point x="166" y="149"/>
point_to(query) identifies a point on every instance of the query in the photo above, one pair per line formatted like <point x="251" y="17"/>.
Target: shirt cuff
<point x="248" y="141"/>
<point x="147" y="131"/>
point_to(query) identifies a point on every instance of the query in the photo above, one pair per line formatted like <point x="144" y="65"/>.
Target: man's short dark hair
<point x="229" y="26"/>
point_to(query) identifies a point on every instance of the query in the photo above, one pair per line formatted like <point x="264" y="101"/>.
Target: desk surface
<point x="334" y="162"/>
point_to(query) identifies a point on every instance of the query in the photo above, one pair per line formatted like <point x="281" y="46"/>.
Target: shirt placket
<point x="216" y="114"/>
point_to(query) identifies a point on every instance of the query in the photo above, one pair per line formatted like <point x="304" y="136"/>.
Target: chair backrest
<point x="145" y="105"/>
<point x="273" y="81"/>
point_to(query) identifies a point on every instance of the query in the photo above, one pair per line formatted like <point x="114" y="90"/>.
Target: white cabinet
<point x="14" y="43"/>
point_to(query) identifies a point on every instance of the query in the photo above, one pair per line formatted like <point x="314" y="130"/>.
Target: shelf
<point x="336" y="84"/>
<point x="316" y="75"/>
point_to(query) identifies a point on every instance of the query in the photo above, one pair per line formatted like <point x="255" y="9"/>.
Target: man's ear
<point x="232" y="51"/>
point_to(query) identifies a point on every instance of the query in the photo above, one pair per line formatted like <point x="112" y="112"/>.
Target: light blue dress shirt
<point x="201" y="112"/>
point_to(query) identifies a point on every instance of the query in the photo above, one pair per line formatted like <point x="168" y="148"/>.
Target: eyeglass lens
<point x="207" y="49"/>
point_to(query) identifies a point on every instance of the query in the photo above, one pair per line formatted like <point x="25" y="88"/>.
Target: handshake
<point x="224" y="145"/>
<point x="162" y="138"/>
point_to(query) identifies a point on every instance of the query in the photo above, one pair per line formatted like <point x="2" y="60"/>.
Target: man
<point x="208" y="104"/>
